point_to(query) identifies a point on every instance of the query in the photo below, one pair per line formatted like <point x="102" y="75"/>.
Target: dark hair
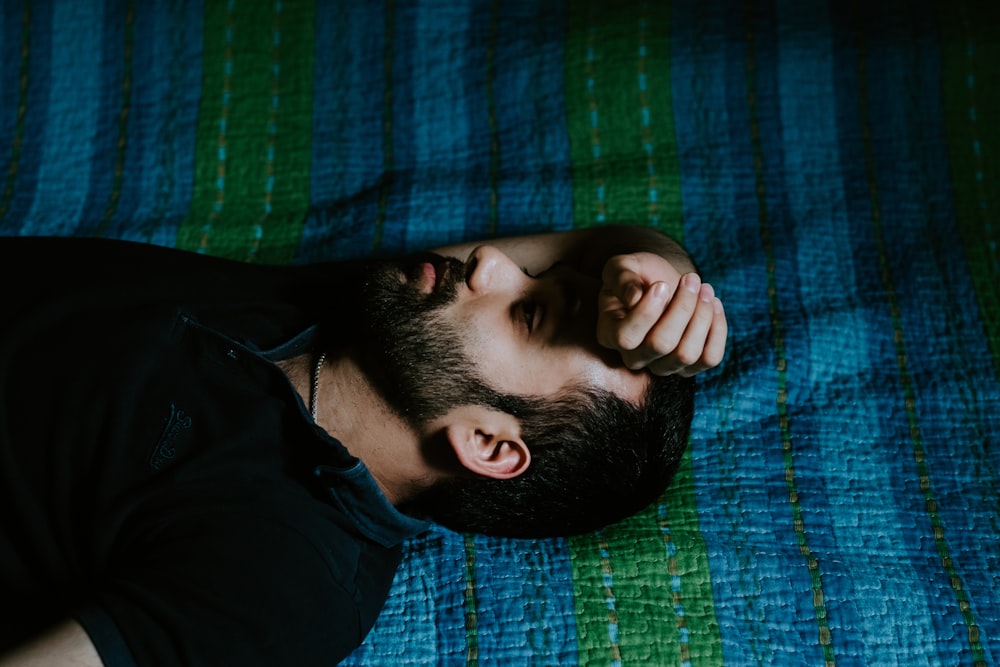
<point x="595" y="459"/>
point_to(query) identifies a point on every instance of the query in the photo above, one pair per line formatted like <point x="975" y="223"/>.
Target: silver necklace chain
<point x="314" y="396"/>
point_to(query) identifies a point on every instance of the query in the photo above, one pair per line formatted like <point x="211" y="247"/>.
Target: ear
<point x="487" y="442"/>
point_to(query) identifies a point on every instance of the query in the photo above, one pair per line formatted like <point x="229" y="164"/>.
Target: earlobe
<point x="488" y="444"/>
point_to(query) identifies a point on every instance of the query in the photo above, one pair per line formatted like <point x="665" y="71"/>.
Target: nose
<point x="492" y="271"/>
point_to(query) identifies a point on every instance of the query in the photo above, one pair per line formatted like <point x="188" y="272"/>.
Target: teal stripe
<point x="491" y="112"/>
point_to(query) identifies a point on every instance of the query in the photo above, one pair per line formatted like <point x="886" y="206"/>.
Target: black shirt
<point x="160" y="479"/>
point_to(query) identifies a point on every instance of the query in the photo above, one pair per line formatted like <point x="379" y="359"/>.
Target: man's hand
<point x="659" y="319"/>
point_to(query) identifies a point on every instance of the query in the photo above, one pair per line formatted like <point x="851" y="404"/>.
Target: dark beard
<point x="410" y="353"/>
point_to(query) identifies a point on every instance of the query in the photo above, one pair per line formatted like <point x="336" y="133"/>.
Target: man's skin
<point x="603" y="306"/>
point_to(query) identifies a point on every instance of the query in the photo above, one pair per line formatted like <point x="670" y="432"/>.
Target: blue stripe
<point x="798" y="610"/>
<point x="11" y="30"/>
<point x="160" y="148"/>
<point x="889" y="78"/>
<point x="11" y="57"/>
<point x="710" y="150"/>
<point x="525" y="595"/>
<point x="752" y="544"/>
<point x="472" y="183"/>
<point x="424" y="612"/>
<point x="440" y="126"/>
<point x="108" y="93"/>
<point x="838" y="358"/>
<point x="535" y="182"/>
<point x="71" y="119"/>
<point x="955" y="427"/>
<point x="348" y="151"/>
<point x="33" y="147"/>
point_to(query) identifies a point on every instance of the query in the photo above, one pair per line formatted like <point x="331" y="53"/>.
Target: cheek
<point x="627" y="384"/>
<point x="507" y="367"/>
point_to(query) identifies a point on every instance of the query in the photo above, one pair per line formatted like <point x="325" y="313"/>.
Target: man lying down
<point x="208" y="462"/>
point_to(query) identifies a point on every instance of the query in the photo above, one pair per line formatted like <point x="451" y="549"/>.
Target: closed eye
<point x="529" y="310"/>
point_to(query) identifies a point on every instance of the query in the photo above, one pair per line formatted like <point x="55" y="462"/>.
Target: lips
<point x="432" y="274"/>
<point x="429" y="278"/>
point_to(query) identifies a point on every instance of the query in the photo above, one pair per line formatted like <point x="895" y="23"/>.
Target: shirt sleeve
<point x="246" y="592"/>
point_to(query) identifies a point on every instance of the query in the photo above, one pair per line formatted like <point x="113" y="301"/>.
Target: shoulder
<point x="276" y="589"/>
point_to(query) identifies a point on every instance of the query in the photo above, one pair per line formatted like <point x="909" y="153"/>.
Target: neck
<point x="351" y="410"/>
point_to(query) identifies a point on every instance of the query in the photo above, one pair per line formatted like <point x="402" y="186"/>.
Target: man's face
<point x="442" y="333"/>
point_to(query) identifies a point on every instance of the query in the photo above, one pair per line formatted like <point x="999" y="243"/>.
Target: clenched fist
<point x="659" y="319"/>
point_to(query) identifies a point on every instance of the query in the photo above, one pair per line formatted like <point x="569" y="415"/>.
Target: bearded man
<point x="210" y="462"/>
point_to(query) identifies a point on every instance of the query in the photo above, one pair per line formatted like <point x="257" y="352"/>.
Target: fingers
<point x="664" y="325"/>
<point x="703" y="343"/>
<point x="658" y="319"/>
<point x="624" y="328"/>
<point x="684" y="332"/>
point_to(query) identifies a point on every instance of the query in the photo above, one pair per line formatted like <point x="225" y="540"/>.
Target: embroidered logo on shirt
<point x="165" y="449"/>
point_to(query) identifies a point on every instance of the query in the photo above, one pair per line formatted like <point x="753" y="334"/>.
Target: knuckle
<point x="666" y="341"/>
<point x="712" y="358"/>
<point x="687" y="356"/>
<point x="633" y="363"/>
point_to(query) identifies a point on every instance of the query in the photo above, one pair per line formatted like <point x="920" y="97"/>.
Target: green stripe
<point x="624" y="151"/>
<point x="596" y="600"/>
<point x="620" y="117"/>
<point x="664" y="208"/>
<point x="691" y="566"/>
<point x="970" y="66"/>
<point x="251" y="189"/>
<point x="613" y="575"/>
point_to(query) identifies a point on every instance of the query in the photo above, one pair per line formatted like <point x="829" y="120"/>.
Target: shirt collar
<point x="351" y="487"/>
<point x="355" y="492"/>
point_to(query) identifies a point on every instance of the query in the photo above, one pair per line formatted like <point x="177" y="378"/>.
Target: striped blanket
<point x="832" y="166"/>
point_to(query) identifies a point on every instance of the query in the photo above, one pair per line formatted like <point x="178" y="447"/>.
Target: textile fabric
<point x="832" y="166"/>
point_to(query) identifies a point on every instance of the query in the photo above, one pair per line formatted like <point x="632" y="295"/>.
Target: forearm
<point x="586" y="249"/>
<point x="66" y="645"/>
<point x="600" y="244"/>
